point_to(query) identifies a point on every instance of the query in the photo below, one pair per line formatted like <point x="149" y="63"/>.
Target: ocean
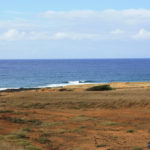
<point x="54" y="73"/>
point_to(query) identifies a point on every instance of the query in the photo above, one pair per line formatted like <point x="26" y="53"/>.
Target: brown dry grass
<point x="8" y="146"/>
<point x="76" y="119"/>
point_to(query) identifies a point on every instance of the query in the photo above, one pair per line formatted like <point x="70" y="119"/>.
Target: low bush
<point x="21" y="136"/>
<point x="130" y="131"/>
<point x="43" y="140"/>
<point x="101" y="145"/>
<point x="76" y="130"/>
<point x="6" y="111"/>
<point x="34" y="122"/>
<point x="100" y="88"/>
<point x="27" y="129"/>
<point x="137" y="148"/>
<point x="45" y="134"/>
<point x="22" y="121"/>
<point x="16" y="120"/>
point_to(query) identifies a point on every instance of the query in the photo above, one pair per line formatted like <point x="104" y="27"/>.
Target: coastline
<point x="63" y="116"/>
<point x="83" y="86"/>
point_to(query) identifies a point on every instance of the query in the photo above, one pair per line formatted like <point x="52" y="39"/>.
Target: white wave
<point x="73" y="82"/>
<point x="3" y="89"/>
<point x="65" y="84"/>
<point x="54" y="85"/>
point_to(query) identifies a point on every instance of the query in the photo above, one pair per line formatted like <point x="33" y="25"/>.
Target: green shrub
<point x="6" y="111"/>
<point x="43" y="140"/>
<point x="27" y="129"/>
<point x="82" y="118"/>
<point x="17" y="120"/>
<point x="137" y="148"/>
<point x="101" y="145"/>
<point x="130" y="131"/>
<point x="45" y="134"/>
<point x="23" y="121"/>
<point x="77" y="130"/>
<point x="23" y="143"/>
<point x="17" y="112"/>
<point x="82" y="126"/>
<point x="21" y="136"/>
<point x="16" y="136"/>
<point x="62" y="131"/>
<point x="34" y="122"/>
<point x="100" y="88"/>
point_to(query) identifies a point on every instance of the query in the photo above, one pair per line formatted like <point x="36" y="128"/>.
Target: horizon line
<point x="65" y="58"/>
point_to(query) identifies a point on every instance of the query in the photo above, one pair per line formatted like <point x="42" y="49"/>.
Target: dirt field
<point x="75" y="119"/>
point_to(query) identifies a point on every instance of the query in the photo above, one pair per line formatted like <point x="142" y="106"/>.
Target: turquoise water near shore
<point x="51" y="73"/>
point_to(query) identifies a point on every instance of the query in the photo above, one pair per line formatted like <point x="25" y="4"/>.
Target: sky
<point x="64" y="29"/>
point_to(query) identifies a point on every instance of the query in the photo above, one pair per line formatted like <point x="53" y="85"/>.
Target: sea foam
<point x="67" y="83"/>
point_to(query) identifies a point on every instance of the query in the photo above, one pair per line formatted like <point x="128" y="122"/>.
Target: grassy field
<point x="74" y="118"/>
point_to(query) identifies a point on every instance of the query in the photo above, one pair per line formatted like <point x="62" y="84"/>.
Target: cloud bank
<point x="142" y="34"/>
<point x="131" y="24"/>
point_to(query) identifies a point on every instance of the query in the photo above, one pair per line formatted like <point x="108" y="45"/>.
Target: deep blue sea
<point x="50" y="73"/>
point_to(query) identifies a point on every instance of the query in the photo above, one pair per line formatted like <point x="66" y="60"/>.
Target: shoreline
<point x="116" y="85"/>
<point x="71" y="112"/>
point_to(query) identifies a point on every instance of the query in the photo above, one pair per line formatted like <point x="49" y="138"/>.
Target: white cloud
<point x="68" y="14"/>
<point x="79" y="25"/>
<point x="108" y="14"/>
<point x="142" y="34"/>
<point x="77" y="36"/>
<point x="117" y="31"/>
<point x="136" y="12"/>
<point x="12" y="35"/>
<point x="60" y="35"/>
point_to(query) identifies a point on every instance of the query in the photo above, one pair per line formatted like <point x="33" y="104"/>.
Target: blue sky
<point x="74" y="29"/>
<point x="62" y="5"/>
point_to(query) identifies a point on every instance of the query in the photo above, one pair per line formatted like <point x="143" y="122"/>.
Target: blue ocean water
<point x="47" y="73"/>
